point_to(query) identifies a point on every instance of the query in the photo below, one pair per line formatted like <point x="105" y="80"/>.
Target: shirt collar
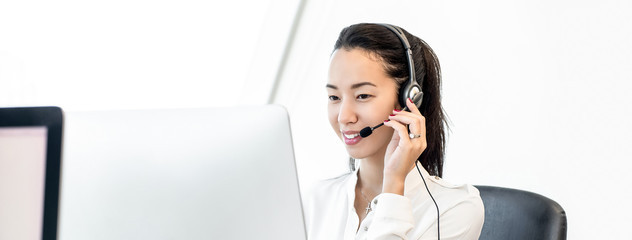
<point x="352" y="181"/>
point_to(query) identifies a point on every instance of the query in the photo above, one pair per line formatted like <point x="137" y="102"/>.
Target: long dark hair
<point x="379" y="40"/>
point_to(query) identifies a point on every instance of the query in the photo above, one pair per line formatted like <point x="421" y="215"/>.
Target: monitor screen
<point x="22" y="181"/>
<point x="180" y="174"/>
<point x="30" y="163"/>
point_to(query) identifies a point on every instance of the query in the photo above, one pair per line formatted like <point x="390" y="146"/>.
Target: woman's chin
<point x="356" y="153"/>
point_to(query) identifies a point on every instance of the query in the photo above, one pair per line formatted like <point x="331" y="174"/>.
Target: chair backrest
<point x="517" y="214"/>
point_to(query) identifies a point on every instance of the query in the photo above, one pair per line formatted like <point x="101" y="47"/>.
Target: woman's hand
<point x="402" y="151"/>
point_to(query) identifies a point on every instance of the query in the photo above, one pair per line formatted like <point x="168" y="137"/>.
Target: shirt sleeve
<point x="393" y="217"/>
<point x="394" y="220"/>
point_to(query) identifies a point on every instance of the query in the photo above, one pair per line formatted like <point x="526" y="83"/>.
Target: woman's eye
<point x="333" y="98"/>
<point x="363" y="96"/>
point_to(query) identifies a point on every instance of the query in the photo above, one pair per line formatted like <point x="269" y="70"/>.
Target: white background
<point x="537" y="91"/>
<point x="129" y="54"/>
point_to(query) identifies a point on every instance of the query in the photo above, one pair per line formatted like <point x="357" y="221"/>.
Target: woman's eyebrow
<point x="357" y="85"/>
<point x="354" y="86"/>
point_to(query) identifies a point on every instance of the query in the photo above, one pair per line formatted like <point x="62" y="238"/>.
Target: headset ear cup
<point x="418" y="99"/>
<point x="405" y="93"/>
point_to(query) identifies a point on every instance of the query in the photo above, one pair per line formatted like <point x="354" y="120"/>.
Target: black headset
<point x="413" y="91"/>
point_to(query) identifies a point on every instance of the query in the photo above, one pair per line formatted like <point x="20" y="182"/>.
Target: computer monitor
<point x="215" y="173"/>
<point x="30" y="151"/>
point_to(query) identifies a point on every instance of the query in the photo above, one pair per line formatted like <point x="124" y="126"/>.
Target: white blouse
<point x="330" y="212"/>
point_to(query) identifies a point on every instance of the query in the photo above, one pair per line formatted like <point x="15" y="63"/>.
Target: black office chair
<point x="517" y="215"/>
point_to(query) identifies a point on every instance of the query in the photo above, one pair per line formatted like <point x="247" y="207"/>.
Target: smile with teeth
<point x="351" y="135"/>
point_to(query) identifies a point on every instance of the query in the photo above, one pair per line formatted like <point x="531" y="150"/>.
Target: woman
<point x="385" y="197"/>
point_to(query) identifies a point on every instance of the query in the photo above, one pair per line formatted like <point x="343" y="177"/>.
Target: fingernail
<point x="411" y="101"/>
<point x="392" y="115"/>
<point x="386" y="120"/>
<point x="397" y="110"/>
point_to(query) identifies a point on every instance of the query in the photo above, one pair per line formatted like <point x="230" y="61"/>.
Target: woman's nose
<point x="347" y="113"/>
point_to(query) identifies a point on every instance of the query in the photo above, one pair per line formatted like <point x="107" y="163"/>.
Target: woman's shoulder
<point x="458" y="191"/>
<point x="461" y="207"/>
<point x="329" y="185"/>
<point x="450" y="196"/>
<point x="329" y="194"/>
<point x="460" y="199"/>
<point x="328" y="190"/>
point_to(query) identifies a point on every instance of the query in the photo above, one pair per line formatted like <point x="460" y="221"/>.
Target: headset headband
<point x="411" y="89"/>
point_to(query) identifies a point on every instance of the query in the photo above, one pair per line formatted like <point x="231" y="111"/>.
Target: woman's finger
<point x="413" y="108"/>
<point x="415" y="121"/>
<point x="401" y="130"/>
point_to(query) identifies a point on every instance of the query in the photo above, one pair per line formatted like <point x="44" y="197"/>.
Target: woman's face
<point x="360" y="95"/>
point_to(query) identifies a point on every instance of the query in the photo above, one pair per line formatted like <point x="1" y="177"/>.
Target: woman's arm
<point x="395" y="219"/>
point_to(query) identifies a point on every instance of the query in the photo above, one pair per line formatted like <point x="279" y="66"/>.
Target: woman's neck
<point x="370" y="175"/>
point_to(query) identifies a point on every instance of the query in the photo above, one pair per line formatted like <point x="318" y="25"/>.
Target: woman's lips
<point x="351" y="137"/>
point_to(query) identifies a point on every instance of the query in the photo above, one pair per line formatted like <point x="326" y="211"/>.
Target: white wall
<point x="537" y="93"/>
<point x="127" y="54"/>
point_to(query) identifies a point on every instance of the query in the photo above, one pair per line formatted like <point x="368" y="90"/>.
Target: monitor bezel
<point x="52" y="119"/>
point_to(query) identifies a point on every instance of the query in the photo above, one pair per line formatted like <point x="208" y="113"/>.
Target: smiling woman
<point x="384" y="198"/>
